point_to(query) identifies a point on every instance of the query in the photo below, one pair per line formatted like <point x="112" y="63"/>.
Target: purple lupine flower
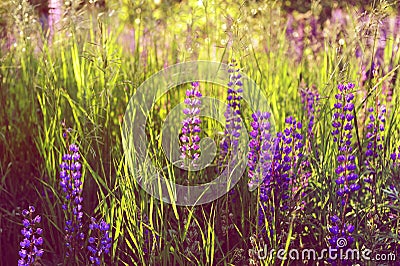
<point x="232" y="113"/>
<point x="266" y="205"/>
<point x="375" y="140"/>
<point x="260" y="145"/>
<point x="293" y="143"/>
<point x="71" y="186"/>
<point x="99" y="240"/>
<point x="310" y="99"/>
<point x="393" y="157"/>
<point x="347" y="177"/>
<point x="30" y="246"/>
<point x="278" y="174"/>
<point x="190" y="139"/>
<point x="395" y="164"/>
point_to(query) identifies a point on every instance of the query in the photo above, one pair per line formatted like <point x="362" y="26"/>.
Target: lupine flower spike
<point x="347" y="177"/>
<point x="232" y="113"/>
<point x="310" y="99"/>
<point x="273" y="161"/>
<point x="99" y="241"/>
<point x="71" y="185"/>
<point x="30" y="247"/>
<point x="287" y="156"/>
<point x="190" y="148"/>
<point x="298" y="169"/>
<point x="259" y="157"/>
<point x="259" y="162"/>
<point x="375" y="141"/>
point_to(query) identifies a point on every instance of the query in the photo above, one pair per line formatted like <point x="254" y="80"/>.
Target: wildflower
<point x="395" y="165"/>
<point x="346" y="166"/>
<point x="260" y="145"/>
<point x="292" y="145"/>
<point x="257" y="170"/>
<point x="310" y="99"/>
<point x="30" y="245"/>
<point x="71" y="186"/>
<point x="190" y="149"/>
<point x="99" y="241"/>
<point x="375" y="140"/>
<point x="280" y="180"/>
<point x="232" y="113"/>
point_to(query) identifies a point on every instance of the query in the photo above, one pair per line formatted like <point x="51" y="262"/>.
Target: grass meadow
<point x="328" y="69"/>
